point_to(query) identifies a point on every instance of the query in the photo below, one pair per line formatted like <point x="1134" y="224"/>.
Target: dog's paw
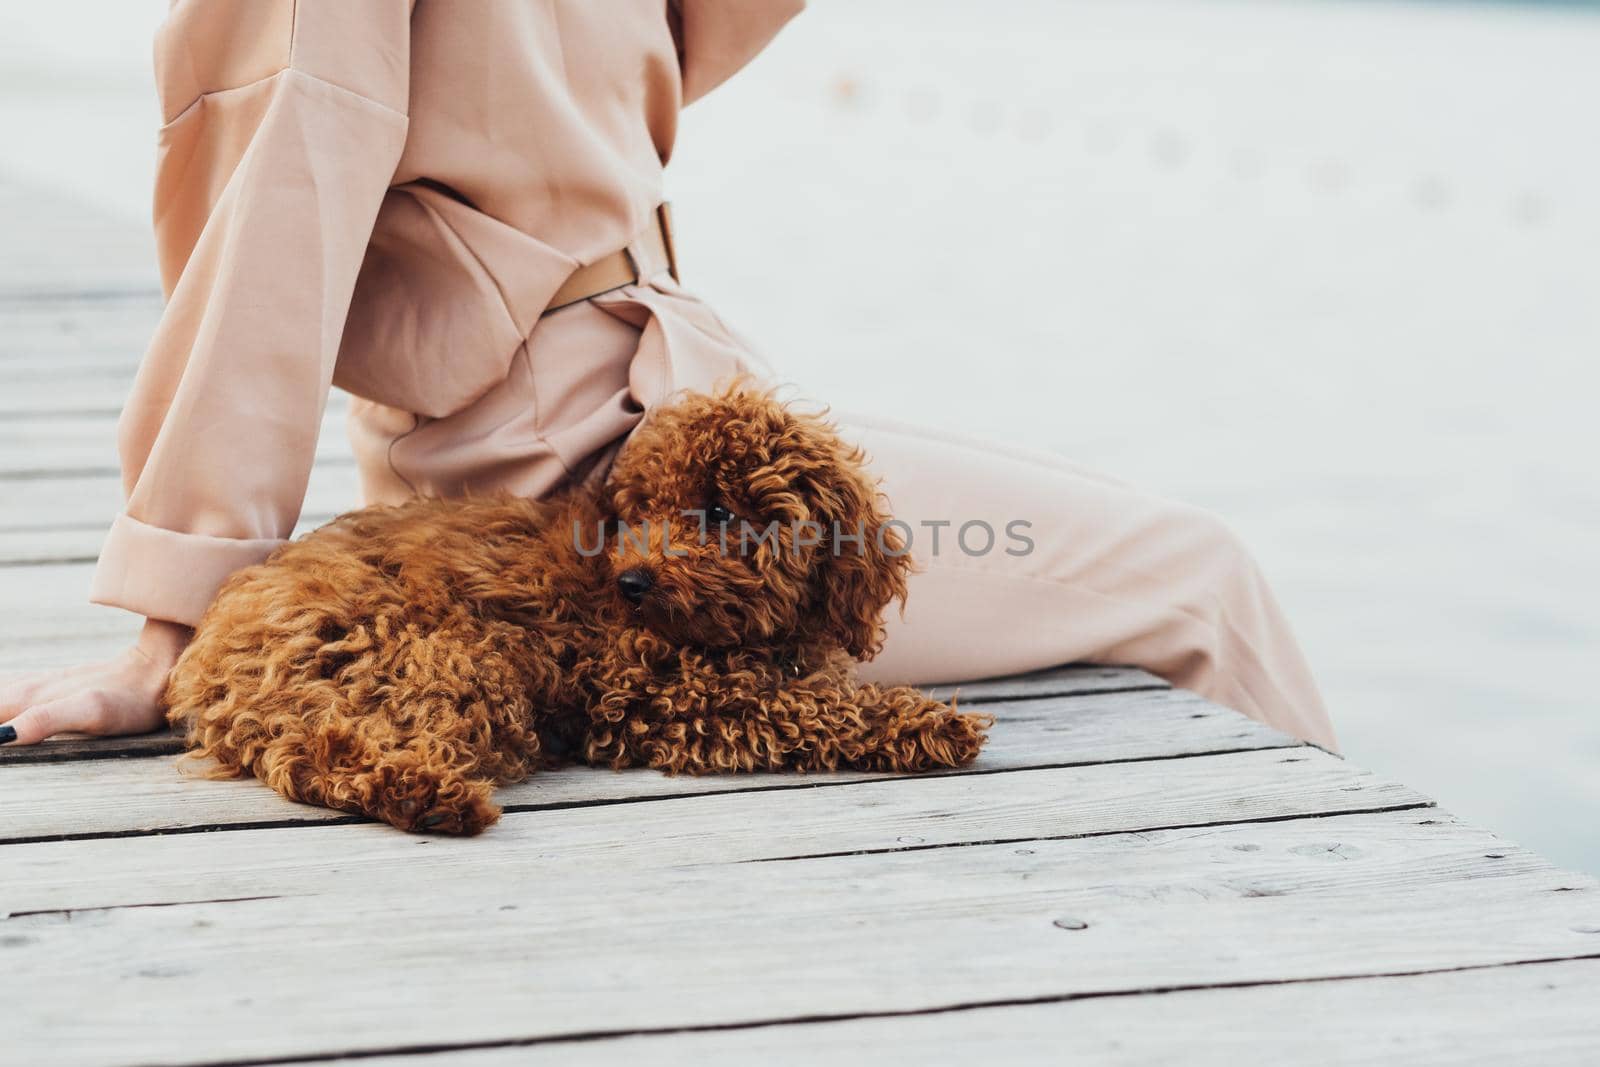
<point x="955" y="739"/>
<point x="938" y="738"/>
<point x="420" y="804"/>
<point x="461" y="817"/>
<point x="944" y="739"/>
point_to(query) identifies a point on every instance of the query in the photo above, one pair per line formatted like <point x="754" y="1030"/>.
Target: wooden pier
<point x="1128" y="875"/>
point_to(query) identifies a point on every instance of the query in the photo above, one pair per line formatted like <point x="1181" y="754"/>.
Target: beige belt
<point x="650" y="253"/>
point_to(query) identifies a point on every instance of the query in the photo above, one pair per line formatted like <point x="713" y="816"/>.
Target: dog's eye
<point x="717" y="515"/>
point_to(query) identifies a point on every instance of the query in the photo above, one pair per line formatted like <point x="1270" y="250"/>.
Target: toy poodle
<point x="700" y="612"/>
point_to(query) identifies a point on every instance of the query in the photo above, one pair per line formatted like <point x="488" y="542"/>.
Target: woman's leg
<point x="1100" y="573"/>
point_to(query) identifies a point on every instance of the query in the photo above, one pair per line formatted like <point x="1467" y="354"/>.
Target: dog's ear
<point x="862" y="564"/>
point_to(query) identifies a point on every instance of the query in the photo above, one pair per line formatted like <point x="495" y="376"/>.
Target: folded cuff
<point x="163" y="574"/>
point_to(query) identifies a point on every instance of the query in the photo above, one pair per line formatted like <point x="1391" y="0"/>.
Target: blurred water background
<point x="1329" y="268"/>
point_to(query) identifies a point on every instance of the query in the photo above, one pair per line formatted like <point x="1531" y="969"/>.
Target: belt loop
<point x="664" y="216"/>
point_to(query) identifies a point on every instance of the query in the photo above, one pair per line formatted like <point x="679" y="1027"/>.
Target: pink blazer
<point x="382" y="195"/>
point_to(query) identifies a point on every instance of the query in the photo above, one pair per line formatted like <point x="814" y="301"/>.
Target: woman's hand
<point x="121" y="696"/>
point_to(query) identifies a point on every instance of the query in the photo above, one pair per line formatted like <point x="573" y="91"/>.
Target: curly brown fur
<point x="402" y="661"/>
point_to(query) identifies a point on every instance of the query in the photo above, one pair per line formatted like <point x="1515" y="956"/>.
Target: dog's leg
<point x="415" y="729"/>
<point x="822" y="723"/>
<point x="898" y="728"/>
<point x="368" y="763"/>
<point x="419" y="788"/>
<point x="452" y="720"/>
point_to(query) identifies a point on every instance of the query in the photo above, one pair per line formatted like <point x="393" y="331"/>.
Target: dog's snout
<point x="635" y="582"/>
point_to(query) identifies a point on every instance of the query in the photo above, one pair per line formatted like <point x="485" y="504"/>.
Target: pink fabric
<point x="1108" y="575"/>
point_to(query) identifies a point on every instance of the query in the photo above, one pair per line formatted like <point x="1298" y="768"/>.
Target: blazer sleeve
<point x="716" y="38"/>
<point x="284" y="122"/>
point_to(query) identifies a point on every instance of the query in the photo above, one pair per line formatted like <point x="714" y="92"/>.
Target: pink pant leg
<point x="1113" y="576"/>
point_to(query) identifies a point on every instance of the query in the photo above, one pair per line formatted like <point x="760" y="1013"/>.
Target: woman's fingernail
<point x="8" y="734"/>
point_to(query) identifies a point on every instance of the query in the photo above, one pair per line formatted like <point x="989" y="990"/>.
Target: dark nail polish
<point x="8" y="734"/>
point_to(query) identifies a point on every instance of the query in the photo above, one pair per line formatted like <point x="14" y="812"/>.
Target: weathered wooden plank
<point x="73" y="355"/>
<point x="38" y="446"/>
<point x="41" y="606"/>
<point x="1118" y="740"/>
<point x="1085" y="679"/>
<point x="46" y="618"/>
<point x="33" y="548"/>
<point x="65" y="340"/>
<point x="102" y="393"/>
<point x="694" y="942"/>
<point x="868" y="816"/>
<point x="1529" y="1013"/>
<point x="60" y="793"/>
<point x="1079" y="679"/>
<point x="114" y="633"/>
<point x="42" y="506"/>
<point x="106" y="331"/>
<point x="73" y="747"/>
<point x="76" y="358"/>
<point x="55" y="245"/>
<point x="63" y="360"/>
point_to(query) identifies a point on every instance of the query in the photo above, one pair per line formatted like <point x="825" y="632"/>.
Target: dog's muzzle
<point x="634" y="583"/>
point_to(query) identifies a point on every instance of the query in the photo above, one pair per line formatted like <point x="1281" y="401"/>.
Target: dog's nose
<point x="635" y="582"/>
